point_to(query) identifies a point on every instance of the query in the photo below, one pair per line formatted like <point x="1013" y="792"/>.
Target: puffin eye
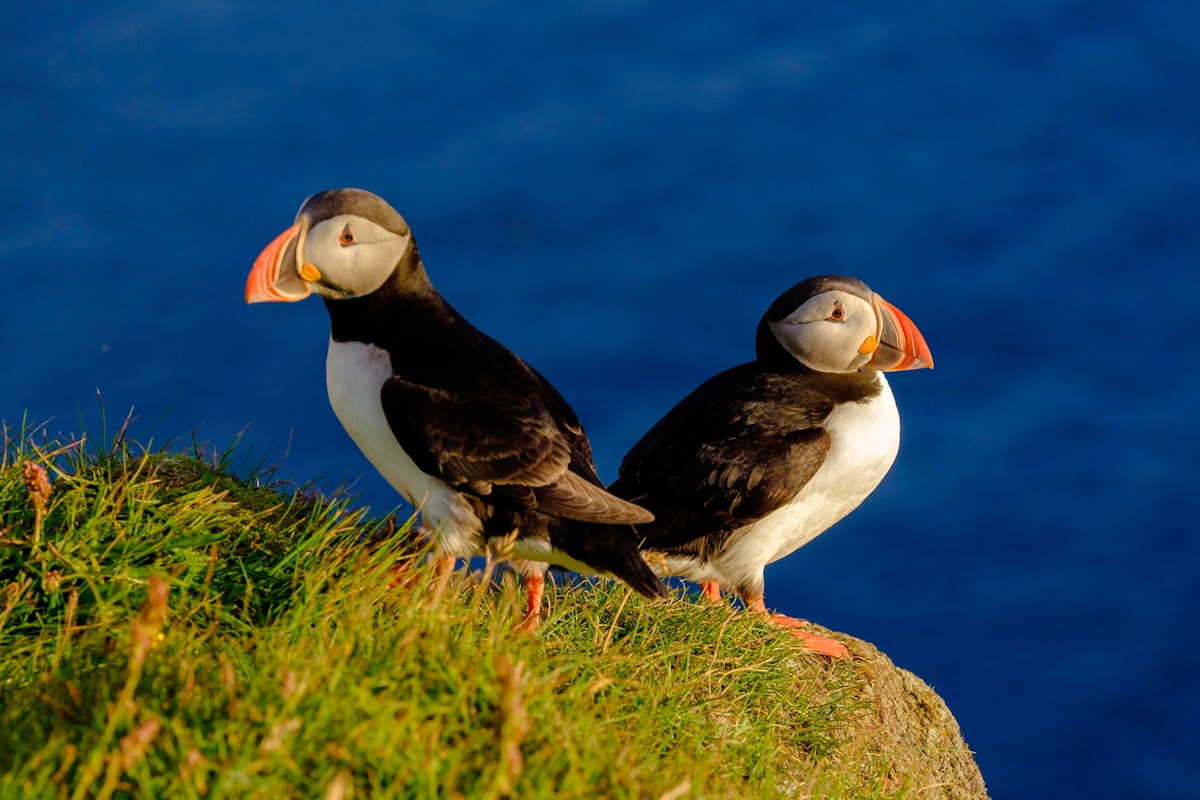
<point x="837" y="315"/>
<point x="346" y="238"/>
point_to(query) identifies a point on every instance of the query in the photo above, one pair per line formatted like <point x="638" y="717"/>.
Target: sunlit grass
<point x="169" y="629"/>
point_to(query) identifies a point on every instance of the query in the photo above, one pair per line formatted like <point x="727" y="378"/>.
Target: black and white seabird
<point x="765" y="456"/>
<point x="490" y="453"/>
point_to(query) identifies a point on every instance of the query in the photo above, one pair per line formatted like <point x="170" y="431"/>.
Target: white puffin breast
<point x="864" y="439"/>
<point x="354" y="376"/>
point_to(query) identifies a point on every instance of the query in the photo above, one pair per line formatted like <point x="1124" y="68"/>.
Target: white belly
<point x="354" y="374"/>
<point x="864" y="440"/>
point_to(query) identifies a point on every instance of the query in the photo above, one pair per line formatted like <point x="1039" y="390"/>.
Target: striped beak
<point x="274" y="277"/>
<point x="901" y="345"/>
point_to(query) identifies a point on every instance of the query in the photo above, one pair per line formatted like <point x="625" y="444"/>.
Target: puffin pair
<point x="750" y="466"/>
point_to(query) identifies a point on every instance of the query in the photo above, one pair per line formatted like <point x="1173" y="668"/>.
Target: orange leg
<point x="402" y="576"/>
<point x="711" y="591"/>
<point x="402" y="571"/>
<point x="535" y="587"/>
<point x="443" y="568"/>
<point x="819" y="644"/>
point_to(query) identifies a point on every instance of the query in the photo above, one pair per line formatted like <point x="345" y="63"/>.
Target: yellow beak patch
<point x="310" y="273"/>
<point x="869" y="345"/>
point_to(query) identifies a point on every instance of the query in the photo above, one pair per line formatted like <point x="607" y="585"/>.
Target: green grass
<point x="168" y="629"/>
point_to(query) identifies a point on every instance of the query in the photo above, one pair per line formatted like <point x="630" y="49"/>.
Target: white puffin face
<point x="349" y="256"/>
<point x="833" y="331"/>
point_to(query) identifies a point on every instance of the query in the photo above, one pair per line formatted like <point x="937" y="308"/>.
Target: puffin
<point x="763" y="457"/>
<point x="481" y="444"/>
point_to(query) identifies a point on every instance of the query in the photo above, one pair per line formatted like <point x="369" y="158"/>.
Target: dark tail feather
<point x="611" y="549"/>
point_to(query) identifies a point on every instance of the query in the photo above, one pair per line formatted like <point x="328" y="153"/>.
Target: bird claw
<point x="825" y="646"/>
<point x="784" y="621"/>
<point x="830" y="648"/>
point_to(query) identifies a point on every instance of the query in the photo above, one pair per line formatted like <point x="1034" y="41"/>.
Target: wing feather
<point x="504" y="447"/>
<point x="739" y="447"/>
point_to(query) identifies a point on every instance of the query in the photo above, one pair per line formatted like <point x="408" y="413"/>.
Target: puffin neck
<point x="841" y="387"/>
<point x="771" y="355"/>
<point x="406" y="301"/>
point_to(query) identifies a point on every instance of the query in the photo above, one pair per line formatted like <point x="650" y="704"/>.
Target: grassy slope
<point x="169" y="630"/>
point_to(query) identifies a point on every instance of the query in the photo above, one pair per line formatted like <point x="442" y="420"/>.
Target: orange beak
<point x="901" y="345"/>
<point x="274" y="278"/>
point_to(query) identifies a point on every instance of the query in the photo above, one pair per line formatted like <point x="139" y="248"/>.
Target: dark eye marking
<point x="838" y="314"/>
<point x="346" y="237"/>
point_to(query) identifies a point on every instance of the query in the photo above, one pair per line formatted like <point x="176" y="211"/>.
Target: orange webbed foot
<point x="827" y="647"/>
<point x="830" y="648"/>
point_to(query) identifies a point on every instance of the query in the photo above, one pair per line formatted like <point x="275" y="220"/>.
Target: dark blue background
<point x="617" y="190"/>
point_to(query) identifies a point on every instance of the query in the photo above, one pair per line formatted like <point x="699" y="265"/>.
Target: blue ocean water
<point x="617" y="190"/>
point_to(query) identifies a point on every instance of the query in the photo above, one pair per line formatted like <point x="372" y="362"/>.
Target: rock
<point x="910" y="725"/>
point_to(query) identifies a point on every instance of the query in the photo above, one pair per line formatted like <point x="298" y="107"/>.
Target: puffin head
<point x="345" y="243"/>
<point x="832" y="323"/>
